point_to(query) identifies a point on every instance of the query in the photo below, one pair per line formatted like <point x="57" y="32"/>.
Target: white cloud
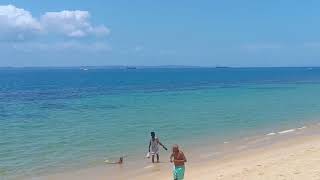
<point x="19" y="24"/>
<point x="72" y="24"/>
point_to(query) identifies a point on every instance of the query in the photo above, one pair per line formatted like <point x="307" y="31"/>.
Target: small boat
<point x="131" y="67"/>
<point x="222" y="67"/>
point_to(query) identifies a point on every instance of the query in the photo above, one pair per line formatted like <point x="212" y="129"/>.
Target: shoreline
<point x="292" y="157"/>
<point x="208" y="157"/>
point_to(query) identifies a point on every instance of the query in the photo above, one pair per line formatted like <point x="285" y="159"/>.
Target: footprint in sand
<point x="317" y="173"/>
<point x="245" y="170"/>
<point x="296" y="172"/>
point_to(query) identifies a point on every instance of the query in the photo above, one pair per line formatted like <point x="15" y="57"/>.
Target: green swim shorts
<point x="178" y="172"/>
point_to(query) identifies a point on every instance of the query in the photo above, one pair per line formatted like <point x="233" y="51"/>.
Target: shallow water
<point x="60" y="119"/>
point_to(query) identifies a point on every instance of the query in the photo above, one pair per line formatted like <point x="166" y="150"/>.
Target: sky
<point x="247" y="33"/>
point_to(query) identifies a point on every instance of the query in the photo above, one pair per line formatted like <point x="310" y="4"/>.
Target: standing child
<point x="154" y="146"/>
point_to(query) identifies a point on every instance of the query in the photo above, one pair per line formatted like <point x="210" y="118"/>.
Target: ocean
<point x="60" y="119"/>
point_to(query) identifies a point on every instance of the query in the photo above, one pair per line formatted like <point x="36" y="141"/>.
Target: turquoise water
<point x="54" y="119"/>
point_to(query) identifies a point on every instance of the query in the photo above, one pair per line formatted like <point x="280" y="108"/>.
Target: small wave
<point x="271" y="134"/>
<point x="303" y="127"/>
<point x="286" y="131"/>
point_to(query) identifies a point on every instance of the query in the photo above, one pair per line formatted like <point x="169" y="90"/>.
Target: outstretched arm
<point x="162" y="145"/>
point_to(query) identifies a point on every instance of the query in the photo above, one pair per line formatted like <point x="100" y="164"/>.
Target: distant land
<point x="141" y="67"/>
<point x="108" y="67"/>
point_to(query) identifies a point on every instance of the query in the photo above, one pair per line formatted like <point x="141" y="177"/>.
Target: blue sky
<point x="146" y="32"/>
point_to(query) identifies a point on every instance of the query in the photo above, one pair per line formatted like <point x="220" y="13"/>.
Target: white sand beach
<point x="293" y="159"/>
<point x="294" y="155"/>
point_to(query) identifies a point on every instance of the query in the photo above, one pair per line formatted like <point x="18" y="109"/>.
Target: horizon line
<point x="148" y="66"/>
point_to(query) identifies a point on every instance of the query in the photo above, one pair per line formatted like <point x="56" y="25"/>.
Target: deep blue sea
<point x="53" y="119"/>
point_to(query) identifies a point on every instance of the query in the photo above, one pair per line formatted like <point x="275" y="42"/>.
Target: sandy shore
<point x="291" y="155"/>
<point x="293" y="159"/>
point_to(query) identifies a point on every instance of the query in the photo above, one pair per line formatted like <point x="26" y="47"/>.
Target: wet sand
<point x="287" y="154"/>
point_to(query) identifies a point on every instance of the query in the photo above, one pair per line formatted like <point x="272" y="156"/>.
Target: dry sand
<point x="290" y="160"/>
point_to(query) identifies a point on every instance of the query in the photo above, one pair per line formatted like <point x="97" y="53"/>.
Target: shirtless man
<point x="177" y="157"/>
<point x="154" y="146"/>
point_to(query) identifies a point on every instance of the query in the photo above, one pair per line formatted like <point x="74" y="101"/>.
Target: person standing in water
<point x="154" y="146"/>
<point x="178" y="159"/>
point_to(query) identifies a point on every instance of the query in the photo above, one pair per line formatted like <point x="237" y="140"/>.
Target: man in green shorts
<point x="178" y="158"/>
